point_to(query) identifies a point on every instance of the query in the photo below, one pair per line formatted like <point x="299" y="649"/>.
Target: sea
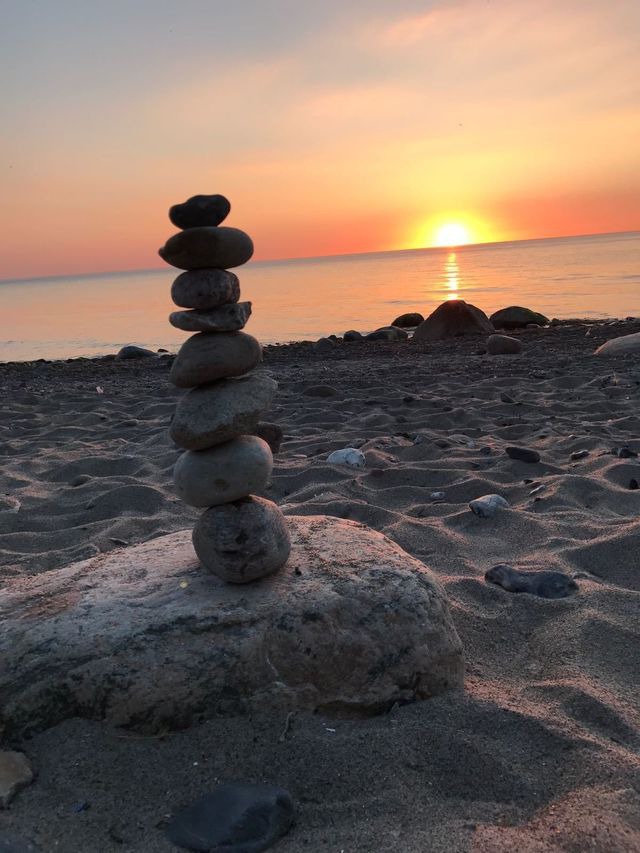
<point x="305" y="299"/>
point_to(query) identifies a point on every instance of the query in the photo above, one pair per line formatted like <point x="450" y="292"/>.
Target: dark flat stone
<point x="542" y="584"/>
<point x="522" y="454"/>
<point x="200" y="210"/>
<point x="236" y="818"/>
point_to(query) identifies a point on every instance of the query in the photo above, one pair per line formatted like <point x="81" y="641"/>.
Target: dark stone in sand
<point x="505" y="398"/>
<point x="239" y="817"/>
<point x="320" y="391"/>
<point x="624" y="452"/>
<point x="387" y="333"/>
<point x="132" y="351"/>
<point x="503" y="345"/>
<point x="516" y="317"/>
<point x="271" y="433"/>
<point x="200" y="248"/>
<point x="453" y="319"/>
<point x="408" y="321"/>
<point x="351" y="336"/>
<point x="12" y="843"/>
<point x="225" y="318"/>
<point x="522" y="454"/>
<point x="542" y="584"/>
<point x="633" y="484"/>
<point x="205" y="289"/>
<point x="200" y="210"/>
<point x="579" y="454"/>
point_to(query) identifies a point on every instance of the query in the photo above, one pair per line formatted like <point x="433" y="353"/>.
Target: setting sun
<point x="452" y="234"/>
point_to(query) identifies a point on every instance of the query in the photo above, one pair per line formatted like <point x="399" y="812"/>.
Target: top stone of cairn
<point x="200" y="210"/>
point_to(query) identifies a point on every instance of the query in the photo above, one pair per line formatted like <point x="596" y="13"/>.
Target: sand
<point x="540" y="752"/>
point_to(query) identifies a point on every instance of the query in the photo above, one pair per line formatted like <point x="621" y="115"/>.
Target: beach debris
<point x="451" y="320"/>
<point x="544" y="584"/>
<point x="408" y="321"/>
<point x="488" y="505"/>
<point x="239" y="817"/>
<point x="347" y="456"/>
<point x="537" y="489"/>
<point x="523" y="454"/>
<point x="579" y="454"/>
<point x="624" y="345"/>
<point x="10" y="842"/>
<point x="15" y="774"/>
<point x="271" y="433"/>
<point x="516" y="317"/>
<point x="133" y="351"/>
<point x="99" y="390"/>
<point x="503" y="345"/>
<point x="239" y="537"/>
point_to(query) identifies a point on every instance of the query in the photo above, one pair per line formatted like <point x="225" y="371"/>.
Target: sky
<point x="333" y="127"/>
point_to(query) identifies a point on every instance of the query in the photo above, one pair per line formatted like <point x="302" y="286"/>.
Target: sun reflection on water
<point x="452" y="276"/>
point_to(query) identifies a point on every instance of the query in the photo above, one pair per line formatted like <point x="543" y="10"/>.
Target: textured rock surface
<point x="15" y="773"/>
<point x="208" y="356"/>
<point x="219" y="412"/>
<point x="242" y="541"/>
<point x="225" y="318"/>
<point x="199" y="248"/>
<point x="516" y="317"/>
<point x="624" y="345"/>
<point x="143" y="637"/>
<point x="503" y="345"/>
<point x="223" y="473"/>
<point x="487" y="506"/>
<point x="451" y="320"/>
<point x="200" y="210"/>
<point x="205" y="289"/>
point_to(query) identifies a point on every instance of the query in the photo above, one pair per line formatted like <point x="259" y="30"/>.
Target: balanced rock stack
<point x="239" y="537"/>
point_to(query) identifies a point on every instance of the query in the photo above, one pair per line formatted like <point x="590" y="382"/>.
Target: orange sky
<point x="352" y="126"/>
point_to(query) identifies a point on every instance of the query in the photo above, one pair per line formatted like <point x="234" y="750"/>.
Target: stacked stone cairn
<point x="239" y="537"/>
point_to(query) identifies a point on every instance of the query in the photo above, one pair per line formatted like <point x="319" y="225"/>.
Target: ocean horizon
<point x="587" y="276"/>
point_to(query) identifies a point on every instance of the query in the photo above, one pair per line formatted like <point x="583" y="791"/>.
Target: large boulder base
<point x="143" y="637"/>
<point x="624" y="345"/>
<point x="453" y="319"/>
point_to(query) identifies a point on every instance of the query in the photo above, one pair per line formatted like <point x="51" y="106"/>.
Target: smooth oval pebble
<point x="224" y="473"/>
<point x="348" y="456"/>
<point x="199" y="248"/>
<point x="487" y="506"/>
<point x="205" y="289"/>
<point x="242" y="541"/>
<point x="200" y="210"/>
<point x="208" y="356"/>
<point x="215" y="413"/>
<point x="224" y="318"/>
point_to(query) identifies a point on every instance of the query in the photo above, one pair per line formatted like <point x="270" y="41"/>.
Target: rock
<point x="505" y="398"/>
<point x="348" y="456"/>
<point x="623" y="452"/>
<point x="437" y="496"/>
<point x="387" y="333"/>
<point x="133" y="351"/>
<point x="624" y="345"/>
<point x="352" y="336"/>
<point x="142" y="638"/>
<point x="452" y="319"/>
<point x="200" y="210"/>
<point x="503" y="345"/>
<point x="225" y="318"/>
<point x="487" y="506"/>
<point x="226" y="472"/>
<point x="215" y="413"/>
<point x="205" y="289"/>
<point x="523" y="454"/>
<point x="15" y="774"/>
<point x="407" y="321"/>
<point x="12" y="843"/>
<point x="579" y="454"/>
<point x="240" y="817"/>
<point x="543" y="584"/>
<point x="324" y="345"/>
<point x="633" y="484"/>
<point x="199" y="248"/>
<point x="208" y="356"/>
<point x="320" y="391"/>
<point x="516" y="317"/>
<point x="271" y="433"/>
<point x="242" y="541"/>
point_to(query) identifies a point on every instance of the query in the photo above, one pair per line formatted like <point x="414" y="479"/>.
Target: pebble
<point x="579" y="454"/>
<point x="503" y="345"/>
<point x="242" y="541"/>
<point x="488" y="505"/>
<point x="523" y="454"/>
<point x="205" y="289"/>
<point x="133" y="351"/>
<point x="542" y="584"/>
<point x="198" y="248"/>
<point x="200" y="210"/>
<point x="347" y="456"/>
<point x="225" y="318"/>
<point x="239" y="817"/>
<point x="15" y="774"/>
<point x="224" y="473"/>
<point x="271" y="433"/>
<point x="437" y="496"/>
<point x="208" y="356"/>
<point x="351" y="336"/>
<point x="212" y="414"/>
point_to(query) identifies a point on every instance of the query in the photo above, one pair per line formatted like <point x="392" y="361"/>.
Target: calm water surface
<point x="306" y="299"/>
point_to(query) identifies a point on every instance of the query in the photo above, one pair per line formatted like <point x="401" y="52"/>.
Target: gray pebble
<point x="542" y="584"/>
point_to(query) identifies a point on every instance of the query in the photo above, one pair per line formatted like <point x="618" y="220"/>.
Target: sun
<point x="452" y="234"/>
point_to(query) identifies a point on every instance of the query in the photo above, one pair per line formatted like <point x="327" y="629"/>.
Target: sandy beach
<point x="539" y="753"/>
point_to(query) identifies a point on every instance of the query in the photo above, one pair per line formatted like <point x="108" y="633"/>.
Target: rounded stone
<point x="224" y="473"/>
<point x="453" y="319"/>
<point x="242" y="541"/>
<point x="503" y="345"/>
<point x="199" y="248"/>
<point x="517" y="317"/>
<point x="624" y="345"/>
<point x="205" y="289"/>
<point x="213" y="414"/>
<point x="200" y="210"/>
<point x="407" y="321"/>
<point x="224" y="318"/>
<point x="208" y="356"/>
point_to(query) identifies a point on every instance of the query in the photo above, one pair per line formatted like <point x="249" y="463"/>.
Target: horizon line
<point x="463" y="247"/>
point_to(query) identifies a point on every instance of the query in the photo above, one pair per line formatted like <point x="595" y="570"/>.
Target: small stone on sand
<point x="542" y="584"/>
